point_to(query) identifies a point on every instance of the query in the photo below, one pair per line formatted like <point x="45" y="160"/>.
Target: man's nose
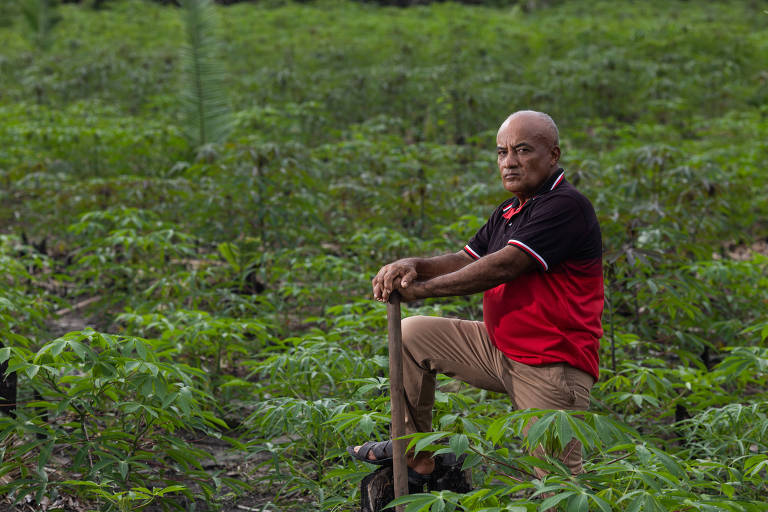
<point x="510" y="159"/>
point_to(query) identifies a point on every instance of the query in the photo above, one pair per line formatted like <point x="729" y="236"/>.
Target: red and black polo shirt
<point x="552" y="314"/>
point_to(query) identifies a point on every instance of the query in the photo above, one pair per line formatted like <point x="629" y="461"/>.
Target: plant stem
<point x="501" y="462"/>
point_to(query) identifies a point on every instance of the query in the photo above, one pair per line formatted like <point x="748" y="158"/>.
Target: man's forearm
<point x="492" y="270"/>
<point x="401" y="273"/>
<point x="428" y="268"/>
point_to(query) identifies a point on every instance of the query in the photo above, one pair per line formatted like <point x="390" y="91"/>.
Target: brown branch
<point x="77" y="306"/>
<point x="498" y="461"/>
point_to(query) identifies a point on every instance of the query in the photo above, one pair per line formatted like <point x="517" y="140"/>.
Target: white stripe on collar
<point x="558" y="180"/>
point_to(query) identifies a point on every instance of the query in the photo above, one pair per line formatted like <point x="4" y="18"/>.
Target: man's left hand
<point x="414" y="291"/>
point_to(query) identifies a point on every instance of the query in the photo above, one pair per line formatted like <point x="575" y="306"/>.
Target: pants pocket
<point x="565" y="384"/>
<point x="580" y="384"/>
<point x="541" y="387"/>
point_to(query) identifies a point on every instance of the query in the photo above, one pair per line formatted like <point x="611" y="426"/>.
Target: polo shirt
<point x="553" y="313"/>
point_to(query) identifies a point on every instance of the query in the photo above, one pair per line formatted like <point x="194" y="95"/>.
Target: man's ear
<point x="555" y="154"/>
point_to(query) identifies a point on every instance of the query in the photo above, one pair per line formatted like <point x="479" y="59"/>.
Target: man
<point x="538" y="260"/>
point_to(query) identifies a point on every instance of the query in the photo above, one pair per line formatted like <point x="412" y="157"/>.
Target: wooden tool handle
<point x="397" y="396"/>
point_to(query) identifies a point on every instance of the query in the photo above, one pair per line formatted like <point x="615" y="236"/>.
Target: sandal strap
<point x="379" y="449"/>
<point x="382" y="449"/>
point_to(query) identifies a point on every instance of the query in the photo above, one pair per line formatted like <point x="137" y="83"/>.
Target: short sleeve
<point x="477" y="247"/>
<point x="555" y="230"/>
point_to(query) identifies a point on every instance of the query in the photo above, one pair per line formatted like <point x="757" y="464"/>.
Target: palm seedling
<point x="203" y="95"/>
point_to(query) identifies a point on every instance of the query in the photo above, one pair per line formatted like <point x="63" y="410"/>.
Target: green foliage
<point x="79" y="377"/>
<point x="223" y="257"/>
<point x="24" y="305"/>
<point x="41" y="17"/>
<point x="8" y="12"/>
<point x="206" y="113"/>
<point x="213" y="343"/>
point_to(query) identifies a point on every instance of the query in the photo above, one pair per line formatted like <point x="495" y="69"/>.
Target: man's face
<point x="527" y="155"/>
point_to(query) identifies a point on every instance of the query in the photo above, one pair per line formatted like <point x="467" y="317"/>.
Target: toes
<point x="370" y="456"/>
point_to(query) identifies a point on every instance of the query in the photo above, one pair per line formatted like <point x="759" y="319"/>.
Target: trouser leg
<point x="552" y="386"/>
<point x="462" y="349"/>
<point x="457" y="348"/>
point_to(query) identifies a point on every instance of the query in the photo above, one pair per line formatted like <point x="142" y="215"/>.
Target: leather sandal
<point x="382" y="450"/>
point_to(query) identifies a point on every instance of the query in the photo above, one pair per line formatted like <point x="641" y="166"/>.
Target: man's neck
<point x="523" y="198"/>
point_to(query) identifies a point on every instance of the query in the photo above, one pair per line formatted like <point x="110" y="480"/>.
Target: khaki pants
<point x="462" y="349"/>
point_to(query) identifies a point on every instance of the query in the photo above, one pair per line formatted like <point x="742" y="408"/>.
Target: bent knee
<point x="415" y="328"/>
<point x="411" y="326"/>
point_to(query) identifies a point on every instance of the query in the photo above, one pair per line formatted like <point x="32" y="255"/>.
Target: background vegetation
<point x="209" y="191"/>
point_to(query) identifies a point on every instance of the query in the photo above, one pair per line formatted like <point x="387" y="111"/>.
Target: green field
<point x="189" y="316"/>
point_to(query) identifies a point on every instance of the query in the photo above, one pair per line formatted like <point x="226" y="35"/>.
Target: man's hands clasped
<point x="419" y="278"/>
<point x="398" y="275"/>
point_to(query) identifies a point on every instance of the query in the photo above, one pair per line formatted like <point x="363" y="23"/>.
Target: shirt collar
<point x="550" y="184"/>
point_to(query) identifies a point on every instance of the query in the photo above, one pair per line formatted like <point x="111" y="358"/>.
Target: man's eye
<point x="523" y="150"/>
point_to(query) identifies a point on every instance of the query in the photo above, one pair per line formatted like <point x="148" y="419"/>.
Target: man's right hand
<point x="388" y="276"/>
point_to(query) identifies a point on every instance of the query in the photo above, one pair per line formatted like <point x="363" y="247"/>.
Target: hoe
<point x="390" y="482"/>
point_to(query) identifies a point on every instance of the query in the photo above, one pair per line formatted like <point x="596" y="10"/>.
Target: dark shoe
<point x="382" y="450"/>
<point x="378" y="488"/>
<point x="448" y="474"/>
<point x="417" y="481"/>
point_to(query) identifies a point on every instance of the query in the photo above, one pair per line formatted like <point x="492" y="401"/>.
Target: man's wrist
<point x="414" y="291"/>
<point x="420" y="290"/>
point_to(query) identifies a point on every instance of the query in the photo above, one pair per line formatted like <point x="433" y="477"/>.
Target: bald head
<point x="539" y="124"/>
<point x="528" y="152"/>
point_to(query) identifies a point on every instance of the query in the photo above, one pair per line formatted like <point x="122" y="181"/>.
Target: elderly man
<point x="538" y="262"/>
